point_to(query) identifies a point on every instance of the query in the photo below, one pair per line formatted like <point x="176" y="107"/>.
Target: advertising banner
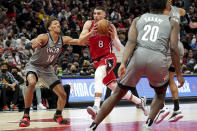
<point x="82" y="89"/>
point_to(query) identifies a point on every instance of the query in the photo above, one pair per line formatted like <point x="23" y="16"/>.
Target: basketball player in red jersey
<point x="104" y="61"/>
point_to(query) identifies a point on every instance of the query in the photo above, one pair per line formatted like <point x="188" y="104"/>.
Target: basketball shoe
<point x="25" y="121"/>
<point x="163" y="113"/>
<point x="59" y="119"/>
<point x="145" y="127"/>
<point x="92" y="111"/>
<point x="177" y="115"/>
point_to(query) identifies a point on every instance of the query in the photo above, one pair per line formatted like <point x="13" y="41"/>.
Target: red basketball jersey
<point x="99" y="45"/>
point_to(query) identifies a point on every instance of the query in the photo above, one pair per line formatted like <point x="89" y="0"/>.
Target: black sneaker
<point x="59" y="119"/>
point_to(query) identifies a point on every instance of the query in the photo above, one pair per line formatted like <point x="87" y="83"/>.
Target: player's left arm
<point x="114" y="36"/>
<point x="82" y="41"/>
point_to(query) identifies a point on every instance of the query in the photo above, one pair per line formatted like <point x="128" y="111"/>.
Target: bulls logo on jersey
<point x="110" y="63"/>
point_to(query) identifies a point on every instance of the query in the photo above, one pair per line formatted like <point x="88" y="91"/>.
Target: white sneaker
<point x="143" y="106"/>
<point x="92" y="111"/>
<point x="145" y="127"/>
<point x="177" y="115"/>
<point x="163" y="113"/>
<point x="41" y="107"/>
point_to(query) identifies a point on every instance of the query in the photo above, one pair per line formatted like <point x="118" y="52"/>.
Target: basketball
<point x="103" y="27"/>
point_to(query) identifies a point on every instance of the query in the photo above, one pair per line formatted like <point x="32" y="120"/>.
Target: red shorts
<point x="110" y="61"/>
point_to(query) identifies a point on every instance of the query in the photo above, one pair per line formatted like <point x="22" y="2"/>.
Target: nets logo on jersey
<point x="53" y="50"/>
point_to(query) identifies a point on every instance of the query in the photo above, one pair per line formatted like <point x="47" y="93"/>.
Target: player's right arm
<point x="38" y="42"/>
<point x="175" y="54"/>
<point x="131" y="43"/>
<point x="86" y="29"/>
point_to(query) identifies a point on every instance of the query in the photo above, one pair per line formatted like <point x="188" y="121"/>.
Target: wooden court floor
<point x="120" y="119"/>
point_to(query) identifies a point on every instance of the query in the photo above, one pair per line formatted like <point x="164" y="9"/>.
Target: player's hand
<point x="180" y="80"/>
<point x="36" y="43"/>
<point x="112" y="31"/>
<point x="121" y="71"/>
<point x="94" y="29"/>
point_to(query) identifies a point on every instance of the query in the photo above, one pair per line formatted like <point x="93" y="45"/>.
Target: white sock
<point x="97" y="101"/>
<point x="135" y="99"/>
<point x="129" y="96"/>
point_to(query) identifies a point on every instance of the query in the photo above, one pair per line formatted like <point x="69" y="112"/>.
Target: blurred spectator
<point x="14" y="27"/>
<point x="194" y="43"/>
<point x="73" y="70"/>
<point x="22" y="41"/>
<point x="10" y="88"/>
<point x="70" y="54"/>
<point x="2" y="13"/>
<point x="115" y="15"/>
<point x="17" y="75"/>
<point x="34" y="33"/>
<point x="9" y="42"/>
<point x="86" y="68"/>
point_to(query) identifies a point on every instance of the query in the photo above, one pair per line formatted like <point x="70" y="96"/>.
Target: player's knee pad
<point x="99" y="76"/>
<point x="100" y="72"/>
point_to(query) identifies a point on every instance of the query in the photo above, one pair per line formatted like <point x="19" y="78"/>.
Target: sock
<point x="149" y="122"/>
<point x="176" y="105"/>
<point x="58" y="112"/>
<point x="135" y="99"/>
<point x="93" y="126"/>
<point x="26" y="111"/>
<point x="128" y="96"/>
<point x="97" y="101"/>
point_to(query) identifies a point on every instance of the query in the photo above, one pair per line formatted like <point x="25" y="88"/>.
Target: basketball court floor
<point x="125" y="118"/>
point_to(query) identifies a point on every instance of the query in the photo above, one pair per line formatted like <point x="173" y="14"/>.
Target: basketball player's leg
<point x="129" y="96"/>
<point x="157" y="104"/>
<point x="107" y="106"/>
<point x="159" y="82"/>
<point x="174" y="90"/>
<point x="177" y="114"/>
<point x="100" y="74"/>
<point x="31" y="83"/>
<point x="62" y="96"/>
<point x="55" y="85"/>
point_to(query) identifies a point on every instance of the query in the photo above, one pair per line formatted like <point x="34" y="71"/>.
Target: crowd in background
<point x="23" y="20"/>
